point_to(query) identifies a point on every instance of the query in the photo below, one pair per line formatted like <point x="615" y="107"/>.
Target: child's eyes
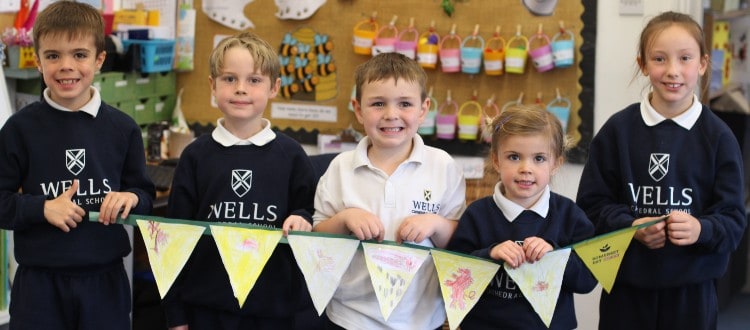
<point x="51" y="56"/>
<point x="81" y="55"/>
<point x="540" y="159"/>
<point x="233" y="79"/>
<point x="401" y="105"/>
<point x="513" y="157"/>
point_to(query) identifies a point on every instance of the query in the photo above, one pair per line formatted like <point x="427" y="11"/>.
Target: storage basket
<point x="157" y="55"/>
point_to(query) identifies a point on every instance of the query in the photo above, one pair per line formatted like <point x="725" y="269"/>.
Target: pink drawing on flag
<point x="458" y="285"/>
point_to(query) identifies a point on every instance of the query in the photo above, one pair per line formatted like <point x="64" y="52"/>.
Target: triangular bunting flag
<point x="540" y="282"/>
<point x="168" y="246"/>
<point x="391" y="270"/>
<point x="323" y="260"/>
<point x="603" y="254"/>
<point x="462" y="282"/>
<point x="244" y="252"/>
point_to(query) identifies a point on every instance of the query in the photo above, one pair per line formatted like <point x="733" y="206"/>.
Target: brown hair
<point x="265" y="56"/>
<point x="528" y="120"/>
<point x="390" y="65"/>
<point x="660" y="23"/>
<point x="71" y="19"/>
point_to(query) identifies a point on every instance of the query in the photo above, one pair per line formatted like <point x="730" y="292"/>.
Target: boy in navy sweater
<point x="59" y="159"/>
<point x="668" y="155"/>
<point x="522" y="221"/>
<point x="242" y="172"/>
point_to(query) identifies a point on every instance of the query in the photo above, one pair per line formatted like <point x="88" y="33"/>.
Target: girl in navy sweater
<point x="522" y="221"/>
<point x="668" y="155"/>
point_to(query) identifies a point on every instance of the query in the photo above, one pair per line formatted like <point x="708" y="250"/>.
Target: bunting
<point x="323" y="258"/>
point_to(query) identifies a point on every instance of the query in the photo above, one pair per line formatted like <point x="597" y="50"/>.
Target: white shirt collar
<point x="416" y="155"/>
<point x="687" y="119"/>
<point x="511" y="210"/>
<point x="221" y="135"/>
<point x="91" y="107"/>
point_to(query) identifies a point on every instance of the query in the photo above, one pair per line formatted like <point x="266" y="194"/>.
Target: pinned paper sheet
<point x="462" y="282"/>
<point x="541" y="281"/>
<point x="169" y="247"/>
<point x="603" y="254"/>
<point x="244" y="253"/>
<point x="229" y="13"/>
<point x="323" y="260"/>
<point x="391" y="270"/>
<point x="297" y="9"/>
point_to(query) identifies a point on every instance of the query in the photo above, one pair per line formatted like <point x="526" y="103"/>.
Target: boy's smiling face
<point x="68" y="65"/>
<point x="391" y="112"/>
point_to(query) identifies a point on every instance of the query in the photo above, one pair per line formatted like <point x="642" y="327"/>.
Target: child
<point x="243" y="172"/>
<point x="391" y="187"/>
<point x="522" y="221"/>
<point x="62" y="157"/>
<point x="667" y="156"/>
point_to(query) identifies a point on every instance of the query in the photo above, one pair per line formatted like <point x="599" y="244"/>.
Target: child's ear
<point x="357" y="110"/>
<point x="275" y="87"/>
<point x="38" y="63"/>
<point x="705" y="60"/>
<point x="100" y="59"/>
<point x="558" y="164"/>
<point x="425" y="108"/>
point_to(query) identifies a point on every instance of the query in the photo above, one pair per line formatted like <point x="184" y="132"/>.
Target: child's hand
<point x="682" y="228"/>
<point x="114" y="203"/>
<point x="535" y="248"/>
<point x="296" y="223"/>
<point x="509" y="252"/>
<point x="362" y="224"/>
<point x="416" y="228"/>
<point x="62" y="212"/>
<point x="653" y="237"/>
<point x="179" y="327"/>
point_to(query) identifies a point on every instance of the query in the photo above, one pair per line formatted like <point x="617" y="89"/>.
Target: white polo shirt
<point x="429" y="181"/>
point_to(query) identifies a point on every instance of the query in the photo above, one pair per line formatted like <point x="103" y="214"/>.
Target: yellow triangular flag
<point x="603" y="254"/>
<point x="323" y="260"/>
<point x="168" y="246"/>
<point x="391" y="270"/>
<point x="244" y="252"/>
<point x="540" y="282"/>
<point x="462" y="282"/>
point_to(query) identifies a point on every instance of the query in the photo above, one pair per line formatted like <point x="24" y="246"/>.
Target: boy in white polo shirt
<point x="391" y="187"/>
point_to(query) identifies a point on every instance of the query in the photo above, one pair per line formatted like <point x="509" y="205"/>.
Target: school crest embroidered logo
<point x="658" y="166"/>
<point x="75" y="160"/>
<point x="427" y="195"/>
<point x="242" y="181"/>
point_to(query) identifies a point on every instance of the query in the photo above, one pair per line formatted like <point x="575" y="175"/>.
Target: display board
<point x="336" y="20"/>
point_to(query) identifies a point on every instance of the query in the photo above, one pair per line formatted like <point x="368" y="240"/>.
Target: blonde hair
<point x="390" y="65"/>
<point x="72" y="19"/>
<point x="265" y="56"/>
